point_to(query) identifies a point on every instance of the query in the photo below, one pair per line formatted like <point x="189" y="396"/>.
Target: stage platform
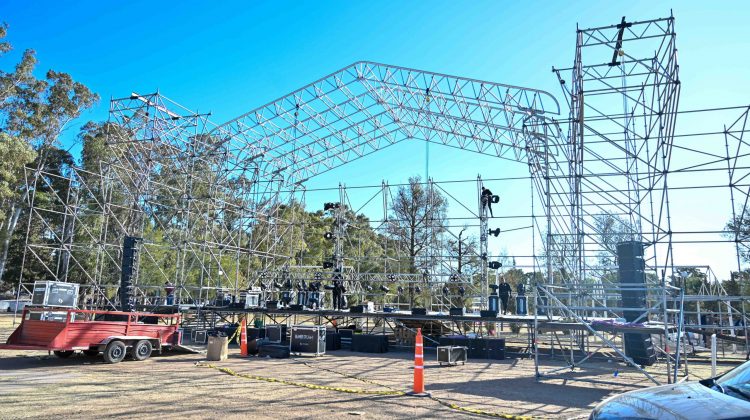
<point x="543" y="323"/>
<point x="329" y="313"/>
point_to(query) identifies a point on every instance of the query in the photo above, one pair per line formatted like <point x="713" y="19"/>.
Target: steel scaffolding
<point x="220" y="208"/>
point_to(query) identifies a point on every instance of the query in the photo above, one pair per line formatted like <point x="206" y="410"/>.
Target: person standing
<point x="337" y="289"/>
<point x="486" y="197"/>
<point x="169" y="290"/>
<point x="504" y="291"/>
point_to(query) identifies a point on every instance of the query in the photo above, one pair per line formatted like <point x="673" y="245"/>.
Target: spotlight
<point x="446" y="290"/>
<point x="461" y="290"/>
<point x="318" y="275"/>
<point x="327" y="264"/>
<point x="391" y="278"/>
<point x="495" y="199"/>
<point x="400" y="290"/>
<point x="495" y="265"/>
<point x="368" y="288"/>
<point x="417" y="289"/>
<point x="494" y="232"/>
<point x="384" y="289"/>
<point x="328" y="235"/>
<point x="454" y="277"/>
<point x="276" y="285"/>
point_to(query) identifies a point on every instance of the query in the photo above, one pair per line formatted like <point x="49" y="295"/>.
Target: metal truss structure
<point x="218" y="207"/>
<point x="623" y="98"/>
<point x="221" y="208"/>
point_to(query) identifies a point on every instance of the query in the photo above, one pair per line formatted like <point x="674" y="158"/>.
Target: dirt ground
<point x="34" y="384"/>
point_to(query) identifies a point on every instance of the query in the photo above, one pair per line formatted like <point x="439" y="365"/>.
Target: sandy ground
<point x="34" y="384"/>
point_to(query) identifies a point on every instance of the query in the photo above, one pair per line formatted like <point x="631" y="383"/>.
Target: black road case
<point x="55" y="293"/>
<point x="452" y="354"/>
<point x="276" y="333"/>
<point x="308" y="339"/>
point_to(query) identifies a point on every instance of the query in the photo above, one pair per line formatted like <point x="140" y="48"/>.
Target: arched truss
<point x="368" y="106"/>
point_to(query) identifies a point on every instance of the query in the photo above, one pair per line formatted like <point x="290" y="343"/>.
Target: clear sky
<point x="233" y="56"/>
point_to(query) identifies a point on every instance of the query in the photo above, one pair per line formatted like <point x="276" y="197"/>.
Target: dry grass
<point x="33" y="384"/>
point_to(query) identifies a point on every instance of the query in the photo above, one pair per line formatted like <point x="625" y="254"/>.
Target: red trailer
<point x="114" y="334"/>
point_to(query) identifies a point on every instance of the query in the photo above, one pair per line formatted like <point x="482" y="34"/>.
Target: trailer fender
<point x="129" y="341"/>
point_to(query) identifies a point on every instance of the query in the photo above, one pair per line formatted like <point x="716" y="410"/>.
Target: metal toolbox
<point x="55" y="293"/>
<point x="309" y="339"/>
<point x="452" y="354"/>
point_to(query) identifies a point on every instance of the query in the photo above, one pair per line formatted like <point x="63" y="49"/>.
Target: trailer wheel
<point x="91" y="352"/>
<point x="115" y="352"/>
<point x="63" y="354"/>
<point x="142" y="350"/>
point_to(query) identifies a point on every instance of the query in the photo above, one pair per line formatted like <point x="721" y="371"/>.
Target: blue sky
<point x="231" y="57"/>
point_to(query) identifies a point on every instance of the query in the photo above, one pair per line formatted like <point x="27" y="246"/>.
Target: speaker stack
<point x="632" y="277"/>
<point x="129" y="251"/>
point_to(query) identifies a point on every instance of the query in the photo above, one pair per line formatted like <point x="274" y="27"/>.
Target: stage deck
<point x="546" y="323"/>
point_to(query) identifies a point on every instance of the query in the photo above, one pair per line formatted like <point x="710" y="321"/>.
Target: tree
<point x="35" y="111"/>
<point x="418" y="218"/>
<point x="610" y="230"/>
<point x="738" y="230"/>
<point x="14" y="155"/>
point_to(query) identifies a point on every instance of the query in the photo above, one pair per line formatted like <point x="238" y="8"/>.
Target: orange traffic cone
<point x="243" y="338"/>
<point x="418" y="364"/>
